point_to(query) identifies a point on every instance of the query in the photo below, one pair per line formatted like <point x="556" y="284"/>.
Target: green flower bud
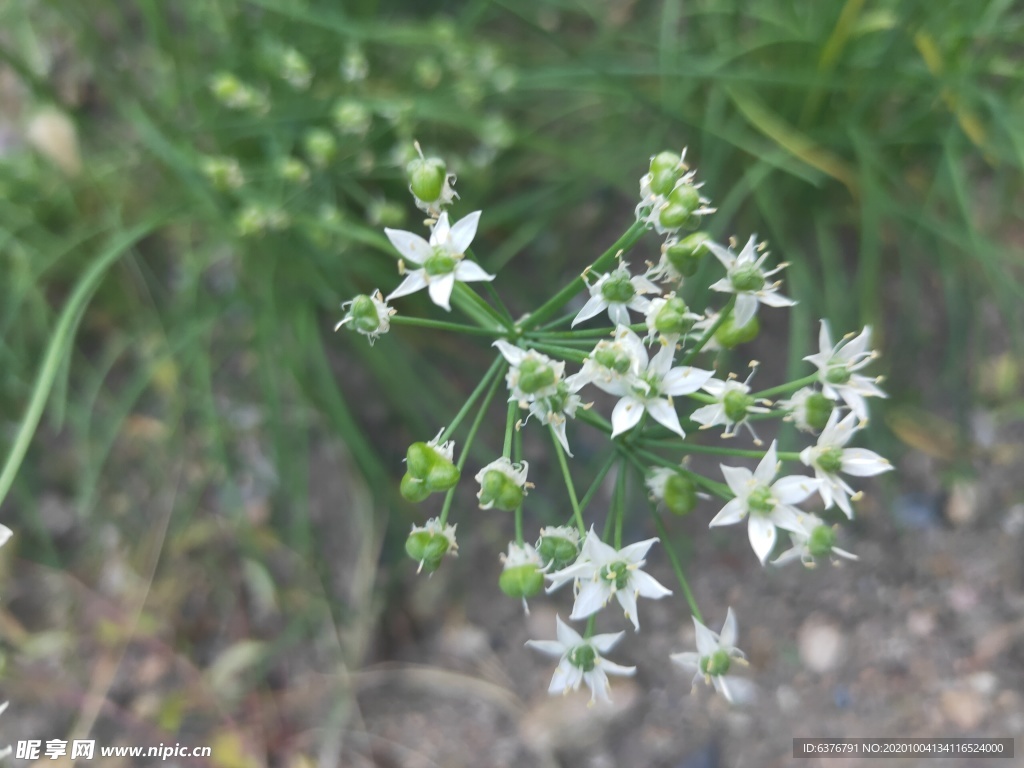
<point x="557" y="551"/>
<point x="830" y="460"/>
<point x="613" y="357"/>
<point x="663" y="182"/>
<point x="747" y="279"/>
<point x="680" y="494"/>
<point x="838" y="374"/>
<point x="819" y="408"/>
<point x="427" y="177"/>
<point x="671" y="318"/>
<point x="672" y="216"/>
<point x="321" y="147"/>
<point x="427" y="548"/>
<point x="442" y="476"/>
<point x="685" y="255"/>
<point x="521" y="581"/>
<point x="717" y="663"/>
<point x="419" y="458"/>
<point x="499" y="490"/>
<point x="413" y="489"/>
<point x="736" y="404"/>
<point x="363" y="312"/>
<point x="686" y="196"/>
<point x="729" y="336"/>
<point x="535" y="375"/>
<point x="618" y="288"/>
<point x="822" y="539"/>
<point x="665" y="161"/>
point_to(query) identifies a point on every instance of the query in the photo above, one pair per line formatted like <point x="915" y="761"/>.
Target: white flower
<point x="732" y="407"/>
<point x="618" y="292"/>
<point x="610" y="363"/>
<point x="747" y="280"/>
<point x="669" y="318"/>
<point x="651" y="387"/>
<point x="581" y="661"/>
<point x="836" y="366"/>
<point x="816" y="539"/>
<point x="601" y="571"/>
<point x="766" y="504"/>
<point x="714" y="656"/>
<point x="369" y="315"/>
<point x="442" y="261"/>
<point x="807" y="409"/>
<point x="531" y="375"/>
<point x="555" y="409"/>
<point x="830" y="457"/>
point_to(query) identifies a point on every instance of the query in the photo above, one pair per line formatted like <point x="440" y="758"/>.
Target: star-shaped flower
<point x="745" y="277"/>
<point x="618" y="292"/>
<point x="837" y="365"/>
<point x="651" y="387"/>
<point x="601" y="571"/>
<point x="732" y="407"/>
<point x="815" y="540"/>
<point x="764" y="503"/>
<point x="531" y="375"/>
<point x="714" y="656"/>
<point x="830" y="457"/>
<point x="581" y="661"/>
<point x="441" y="261"/>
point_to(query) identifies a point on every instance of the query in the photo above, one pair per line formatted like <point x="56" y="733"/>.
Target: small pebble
<point x="821" y="645"/>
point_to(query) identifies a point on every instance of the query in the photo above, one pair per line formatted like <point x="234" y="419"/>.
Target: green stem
<point x="492" y="372"/>
<point x="566" y="353"/>
<point x="468" y="442"/>
<point x="560" y="299"/>
<point x="620" y="504"/>
<point x="517" y="454"/>
<point x="473" y="305"/>
<point x="510" y="428"/>
<point x="443" y="325"/>
<point x="719" y="489"/>
<point x="790" y="387"/>
<point x="685" y="447"/>
<point x="589" y="333"/>
<point x="576" y="511"/>
<point x="598" y="479"/>
<point x="726" y="311"/>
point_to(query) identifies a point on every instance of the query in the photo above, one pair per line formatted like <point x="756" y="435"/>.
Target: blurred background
<point x="202" y="477"/>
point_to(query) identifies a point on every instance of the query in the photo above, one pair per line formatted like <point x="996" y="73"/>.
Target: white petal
<point x="794" y="489"/>
<point x="856" y="348"/>
<point x="774" y="299"/>
<point x="689" y="659"/>
<point x="440" y="289"/>
<point x="592" y="598"/>
<point x="471" y="272"/>
<point x="824" y="340"/>
<point x="663" y="413"/>
<point x="567" y="677"/>
<point x="596" y="550"/>
<point x="463" y="232"/>
<point x="635" y="553"/>
<point x="411" y="246"/>
<point x="723" y="285"/>
<point x="627" y="599"/>
<point x="732" y="512"/>
<point x="709" y="415"/>
<point x="591" y="309"/>
<point x="618" y="314"/>
<point x="607" y="641"/>
<point x="5" y="534"/>
<point x="513" y="354"/>
<point x="788" y="518"/>
<point x="724" y="255"/>
<point x="739" y="479"/>
<point x="762" y="534"/>
<point x="567" y="636"/>
<point x="729" y="630"/>
<point x="647" y="586"/>
<point x="684" y="380"/>
<point x="744" y="310"/>
<point x="626" y="415"/>
<point x="617" y="669"/>
<point x="413" y="282"/>
<point x="559" y="430"/>
<point x="768" y="466"/>
<point x="550" y="647"/>
<point x="707" y="641"/>
<point x="860" y="462"/>
<point x="597" y="681"/>
<point x="439" y="234"/>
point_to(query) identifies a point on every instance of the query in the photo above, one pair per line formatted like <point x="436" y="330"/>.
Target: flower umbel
<point x="581" y="661"/>
<point x="441" y="261"/>
<point x="714" y="656"/>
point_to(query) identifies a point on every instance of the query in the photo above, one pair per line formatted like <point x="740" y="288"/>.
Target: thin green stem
<point x="517" y="454"/>
<point x="560" y="299"/>
<point x="576" y="511"/>
<point x="598" y="479"/>
<point x="790" y="387"/>
<point x="726" y="311"/>
<point x="685" y="447"/>
<point x="443" y="325"/>
<point x="589" y="333"/>
<point x="719" y="489"/>
<point x="467" y="444"/>
<point x="510" y="428"/>
<point x="492" y="372"/>
<point x="566" y="353"/>
<point x="474" y="306"/>
<point x="620" y="504"/>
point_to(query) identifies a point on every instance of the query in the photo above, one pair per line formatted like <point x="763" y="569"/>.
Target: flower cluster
<point x="655" y="368"/>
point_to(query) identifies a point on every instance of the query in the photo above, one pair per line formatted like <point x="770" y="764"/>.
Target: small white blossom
<point x="815" y="540"/>
<point x="732" y="407"/>
<point x="581" y="661"/>
<point x="837" y="365"/>
<point x="830" y="457"/>
<point x="555" y="409"/>
<point x="663" y="312"/>
<point x="651" y="387"/>
<point x="531" y="375"/>
<point x="766" y="504"/>
<point x="441" y="261"/>
<point x="802" y="409"/>
<point x="745" y="278"/>
<point x="502" y="484"/>
<point x="602" y="572"/>
<point x="618" y="292"/>
<point x="714" y="656"/>
<point x="610" y="363"/>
